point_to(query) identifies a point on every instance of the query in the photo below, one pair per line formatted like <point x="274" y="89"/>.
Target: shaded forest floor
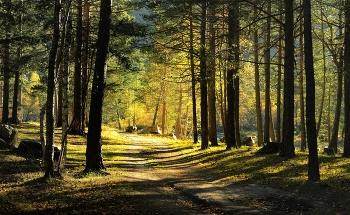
<point x="152" y="175"/>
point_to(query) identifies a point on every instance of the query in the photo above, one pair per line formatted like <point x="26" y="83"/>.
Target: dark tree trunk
<point x="76" y="127"/>
<point x="267" y="74"/>
<point x="6" y="72"/>
<point x="301" y="92"/>
<point x="85" y="62"/>
<point x="287" y="147"/>
<point x="279" y="79"/>
<point x="347" y="80"/>
<point x="193" y="81"/>
<point x="257" y="89"/>
<point x="211" y="74"/>
<point x="335" y="132"/>
<point x="94" y="161"/>
<point x="203" y="82"/>
<point x="49" y="151"/>
<point x="233" y="58"/>
<point x="313" y="168"/>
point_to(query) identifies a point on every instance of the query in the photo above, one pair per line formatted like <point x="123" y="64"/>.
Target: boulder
<point x="131" y="129"/>
<point x="9" y="135"/>
<point x="31" y="147"/>
<point x="248" y="141"/>
<point x="155" y="130"/>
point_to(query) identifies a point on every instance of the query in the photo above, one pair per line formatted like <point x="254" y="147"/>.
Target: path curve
<point x="169" y="182"/>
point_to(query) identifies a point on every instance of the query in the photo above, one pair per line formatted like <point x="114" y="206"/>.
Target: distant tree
<point x="313" y="167"/>
<point x="267" y="57"/>
<point x="287" y="148"/>
<point x="6" y="68"/>
<point x="94" y="161"/>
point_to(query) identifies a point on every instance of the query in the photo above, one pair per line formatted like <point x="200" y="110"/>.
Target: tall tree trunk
<point x="233" y="58"/>
<point x="257" y="88"/>
<point x="211" y="80"/>
<point x="287" y="148"/>
<point x="94" y="160"/>
<point x="193" y="81"/>
<point x="6" y="66"/>
<point x="324" y="57"/>
<point x="85" y="62"/>
<point x="347" y="80"/>
<point x="335" y="132"/>
<point x="301" y="89"/>
<point x="76" y="127"/>
<point x="64" y="82"/>
<point x="279" y="78"/>
<point x="313" y="168"/>
<point x="16" y="88"/>
<point x="267" y="74"/>
<point x="49" y="151"/>
<point x="203" y="82"/>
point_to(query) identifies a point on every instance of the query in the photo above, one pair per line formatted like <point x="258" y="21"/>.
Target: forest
<point x="210" y="73"/>
<point x="207" y="72"/>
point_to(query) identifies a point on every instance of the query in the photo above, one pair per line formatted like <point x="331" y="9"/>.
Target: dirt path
<point x="166" y="182"/>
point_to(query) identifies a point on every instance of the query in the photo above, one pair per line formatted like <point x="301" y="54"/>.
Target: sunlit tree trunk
<point x="94" y="161"/>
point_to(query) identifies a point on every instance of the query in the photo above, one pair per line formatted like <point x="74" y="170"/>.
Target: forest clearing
<point x="147" y="174"/>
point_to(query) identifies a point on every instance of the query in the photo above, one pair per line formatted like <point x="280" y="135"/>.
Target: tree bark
<point x="301" y="89"/>
<point x="193" y="81"/>
<point x="347" y="80"/>
<point x="76" y="127"/>
<point x="49" y="150"/>
<point x="313" y="167"/>
<point x="287" y="147"/>
<point x="6" y="67"/>
<point x="211" y="74"/>
<point x="203" y="82"/>
<point x="267" y="74"/>
<point x="259" y="123"/>
<point x="233" y="58"/>
<point x="85" y="62"/>
<point x="94" y="161"/>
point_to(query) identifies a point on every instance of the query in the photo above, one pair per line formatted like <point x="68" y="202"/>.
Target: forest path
<point x="169" y="182"/>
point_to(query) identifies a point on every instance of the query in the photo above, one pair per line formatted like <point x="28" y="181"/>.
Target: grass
<point x="21" y="190"/>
